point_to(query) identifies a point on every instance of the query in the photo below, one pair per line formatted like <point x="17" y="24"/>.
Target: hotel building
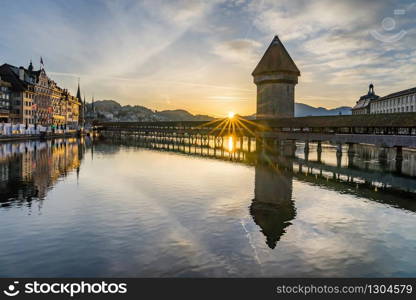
<point x="398" y="102"/>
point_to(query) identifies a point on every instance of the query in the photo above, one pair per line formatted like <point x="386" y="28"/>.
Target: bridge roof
<point x="398" y="120"/>
<point x="372" y="120"/>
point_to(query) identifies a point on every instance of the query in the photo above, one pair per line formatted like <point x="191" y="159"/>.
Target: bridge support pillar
<point x="399" y="159"/>
<point x="319" y="151"/>
<point x="288" y="148"/>
<point x="399" y="153"/>
<point x="306" y="150"/>
<point x="351" y="154"/>
<point x="339" y="155"/>
<point x="382" y="155"/>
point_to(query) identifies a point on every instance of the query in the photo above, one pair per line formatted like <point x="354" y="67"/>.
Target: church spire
<point x="79" y="93"/>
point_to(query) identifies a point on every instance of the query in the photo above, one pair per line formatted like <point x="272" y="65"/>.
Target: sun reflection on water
<point x="230" y="147"/>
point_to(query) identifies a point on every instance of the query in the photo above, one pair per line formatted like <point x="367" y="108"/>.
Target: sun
<point x="231" y="115"/>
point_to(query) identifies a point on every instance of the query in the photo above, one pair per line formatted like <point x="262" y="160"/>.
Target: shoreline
<point x="5" y="139"/>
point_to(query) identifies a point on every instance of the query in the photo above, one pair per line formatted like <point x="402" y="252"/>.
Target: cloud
<point x="304" y="19"/>
<point x="242" y="51"/>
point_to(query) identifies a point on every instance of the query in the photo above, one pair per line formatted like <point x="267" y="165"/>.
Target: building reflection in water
<point x="272" y="208"/>
<point x="29" y="169"/>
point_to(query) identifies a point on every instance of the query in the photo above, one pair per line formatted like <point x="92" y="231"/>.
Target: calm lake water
<point x="84" y="208"/>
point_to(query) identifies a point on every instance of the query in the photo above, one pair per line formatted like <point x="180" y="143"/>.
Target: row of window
<point x="29" y="112"/>
<point x="4" y="96"/>
<point x="410" y="108"/>
<point x="360" y="112"/>
<point x="29" y="95"/>
<point x="4" y="104"/>
<point x="393" y="103"/>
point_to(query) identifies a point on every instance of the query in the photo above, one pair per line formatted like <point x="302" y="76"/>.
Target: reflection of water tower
<point x="273" y="208"/>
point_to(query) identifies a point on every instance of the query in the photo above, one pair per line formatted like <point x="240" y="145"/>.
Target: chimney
<point x="22" y="73"/>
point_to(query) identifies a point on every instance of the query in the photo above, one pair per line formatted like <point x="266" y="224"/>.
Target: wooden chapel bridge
<point x="382" y="130"/>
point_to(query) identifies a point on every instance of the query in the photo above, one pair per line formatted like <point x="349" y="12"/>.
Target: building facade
<point x="43" y="99"/>
<point x="399" y="102"/>
<point x="73" y="108"/>
<point x="34" y="98"/>
<point x="58" y="106"/>
<point x="362" y="107"/>
<point x="5" y="98"/>
<point x="22" y="93"/>
<point x="275" y="77"/>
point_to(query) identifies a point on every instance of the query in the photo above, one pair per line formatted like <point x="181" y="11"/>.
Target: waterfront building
<point x="275" y="77"/>
<point x="398" y="102"/>
<point x="72" y="110"/>
<point x="5" y="90"/>
<point x="58" y="105"/>
<point x="34" y="98"/>
<point x="22" y="93"/>
<point x="43" y="98"/>
<point x="362" y="106"/>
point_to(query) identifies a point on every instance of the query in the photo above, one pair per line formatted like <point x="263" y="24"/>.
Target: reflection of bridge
<point x="272" y="208"/>
<point x="350" y="175"/>
<point x="384" y="178"/>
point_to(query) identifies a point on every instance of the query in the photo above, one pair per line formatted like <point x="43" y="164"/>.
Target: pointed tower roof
<point x="79" y="93"/>
<point x="276" y="59"/>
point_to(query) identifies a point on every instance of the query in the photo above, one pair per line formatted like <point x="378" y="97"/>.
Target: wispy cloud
<point x="242" y="51"/>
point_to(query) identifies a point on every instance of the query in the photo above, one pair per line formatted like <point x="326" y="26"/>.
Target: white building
<point x="399" y="102"/>
<point x="363" y="104"/>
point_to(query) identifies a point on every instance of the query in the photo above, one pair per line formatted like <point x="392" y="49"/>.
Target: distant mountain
<point x="110" y="110"/>
<point x="304" y="110"/>
<point x="107" y="105"/>
<point x="182" y="115"/>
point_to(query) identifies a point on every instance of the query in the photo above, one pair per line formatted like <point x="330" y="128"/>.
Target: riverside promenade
<point x="18" y="132"/>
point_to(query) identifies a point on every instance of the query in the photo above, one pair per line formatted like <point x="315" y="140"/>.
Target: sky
<point x="199" y="55"/>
